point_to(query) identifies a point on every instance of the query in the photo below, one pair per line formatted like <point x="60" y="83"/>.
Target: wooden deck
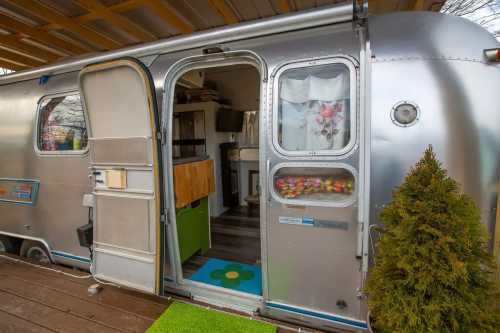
<point x="38" y="300"/>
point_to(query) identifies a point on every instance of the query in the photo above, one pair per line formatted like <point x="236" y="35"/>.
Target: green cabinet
<point x="193" y="228"/>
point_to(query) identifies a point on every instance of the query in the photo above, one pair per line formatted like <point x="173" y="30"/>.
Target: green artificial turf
<point x="187" y="318"/>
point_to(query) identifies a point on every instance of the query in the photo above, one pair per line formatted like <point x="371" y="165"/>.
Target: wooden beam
<point x="118" y="8"/>
<point x="50" y="15"/>
<point x="168" y="15"/>
<point x="97" y="8"/>
<point x="19" y="59"/>
<point x="284" y="6"/>
<point x="420" y="5"/>
<point x="41" y="36"/>
<point x="384" y="6"/>
<point x="13" y="42"/>
<point x="373" y="6"/>
<point x="406" y="5"/>
<point x="224" y="10"/>
<point x="11" y="66"/>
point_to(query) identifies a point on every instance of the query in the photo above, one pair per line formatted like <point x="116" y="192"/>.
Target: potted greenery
<point x="432" y="268"/>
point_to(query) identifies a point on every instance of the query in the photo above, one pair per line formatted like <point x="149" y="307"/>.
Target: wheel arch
<point x="23" y="238"/>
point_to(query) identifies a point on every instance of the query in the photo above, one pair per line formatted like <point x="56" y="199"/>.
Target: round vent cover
<point x="405" y="114"/>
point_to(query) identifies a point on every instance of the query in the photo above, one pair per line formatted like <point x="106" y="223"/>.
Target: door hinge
<point x="160" y="136"/>
<point x="163" y="219"/>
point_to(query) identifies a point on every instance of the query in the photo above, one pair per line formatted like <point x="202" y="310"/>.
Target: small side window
<point x="61" y="124"/>
<point x="315" y="108"/>
<point x="311" y="184"/>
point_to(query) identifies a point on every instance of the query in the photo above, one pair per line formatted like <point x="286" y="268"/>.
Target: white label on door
<point x="296" y="220"/>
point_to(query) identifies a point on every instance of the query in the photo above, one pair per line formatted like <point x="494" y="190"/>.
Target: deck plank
<point x="125" y="321"/>
<point x="46" y="316"/>
<point x="23" y="263"/>
<point x="12" y="324"/>
<point x="118" y="298"/>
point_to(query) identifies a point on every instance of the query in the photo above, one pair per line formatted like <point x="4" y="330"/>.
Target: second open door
<point x="120" y="106"/>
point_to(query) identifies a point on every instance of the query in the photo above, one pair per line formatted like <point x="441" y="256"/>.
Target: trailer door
<point x="120" y="105"/>
<point x="313" y="231"/>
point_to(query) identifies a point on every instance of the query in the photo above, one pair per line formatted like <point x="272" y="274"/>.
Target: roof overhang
<point x="36" y="33"/>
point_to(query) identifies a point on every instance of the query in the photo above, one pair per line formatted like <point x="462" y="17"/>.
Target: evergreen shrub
<point x="432" y="270"/>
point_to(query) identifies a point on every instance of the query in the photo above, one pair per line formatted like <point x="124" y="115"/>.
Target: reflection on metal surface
<point x="442" y="77"/>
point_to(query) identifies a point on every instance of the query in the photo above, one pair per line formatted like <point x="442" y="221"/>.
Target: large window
<point x="315" y="108"/>
<point x="61" y="124"/>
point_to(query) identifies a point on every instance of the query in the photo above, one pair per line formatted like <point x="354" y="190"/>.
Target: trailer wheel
<point x="36" y="252"/>
<point x="8" y="245"/>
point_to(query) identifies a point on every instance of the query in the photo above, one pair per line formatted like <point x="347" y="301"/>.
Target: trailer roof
<point x="35" y="33"/>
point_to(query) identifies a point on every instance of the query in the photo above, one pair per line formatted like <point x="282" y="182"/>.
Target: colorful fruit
<point x="295" y="186"/>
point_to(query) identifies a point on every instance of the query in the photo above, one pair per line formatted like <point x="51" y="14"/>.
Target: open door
<point x="120" y="105"/>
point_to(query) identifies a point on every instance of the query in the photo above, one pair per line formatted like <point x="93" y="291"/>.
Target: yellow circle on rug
<point x="232" y="275"/>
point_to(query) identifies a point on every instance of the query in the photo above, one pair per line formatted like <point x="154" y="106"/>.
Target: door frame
<point x="173" y="74"/>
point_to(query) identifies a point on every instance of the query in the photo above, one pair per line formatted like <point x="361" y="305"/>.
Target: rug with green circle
<point x="230" y="274"/>
<point x="187" y="318"/>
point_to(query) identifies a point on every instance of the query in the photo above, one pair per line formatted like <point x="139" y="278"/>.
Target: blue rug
<point x="230" y="274"/>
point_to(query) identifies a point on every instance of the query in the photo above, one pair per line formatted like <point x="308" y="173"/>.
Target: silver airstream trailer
<point x="244" y="166"/>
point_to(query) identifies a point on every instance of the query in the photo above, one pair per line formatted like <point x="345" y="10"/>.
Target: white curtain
<point x="313" y="112"/>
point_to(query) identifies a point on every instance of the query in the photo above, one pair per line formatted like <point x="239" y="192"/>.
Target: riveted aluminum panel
<point x="121" y="217"/>
<point x="305" y="257"/>
<point x="136" y="151"/>
<point x="457" y="93"/>
<point x="115" y="96"/>
<point x="63" y="179"/>
<point x="138" y="275"/>
<point x="120" y="105"/>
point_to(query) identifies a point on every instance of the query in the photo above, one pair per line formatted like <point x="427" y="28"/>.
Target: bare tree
<point x="484" y="12"/>
<point x="464" y="7"/>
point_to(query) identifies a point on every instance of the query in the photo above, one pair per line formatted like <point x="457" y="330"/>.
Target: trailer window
<point x="61" y="124"/>
<point x="314" y="185"/>
<point x="314" y="108"/>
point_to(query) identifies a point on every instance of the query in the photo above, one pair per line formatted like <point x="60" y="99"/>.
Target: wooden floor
<point x="235" y="236"/>
<point x="37" y="300"/>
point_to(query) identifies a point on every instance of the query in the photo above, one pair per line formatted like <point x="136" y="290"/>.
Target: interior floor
<point x="235" y="236"/>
